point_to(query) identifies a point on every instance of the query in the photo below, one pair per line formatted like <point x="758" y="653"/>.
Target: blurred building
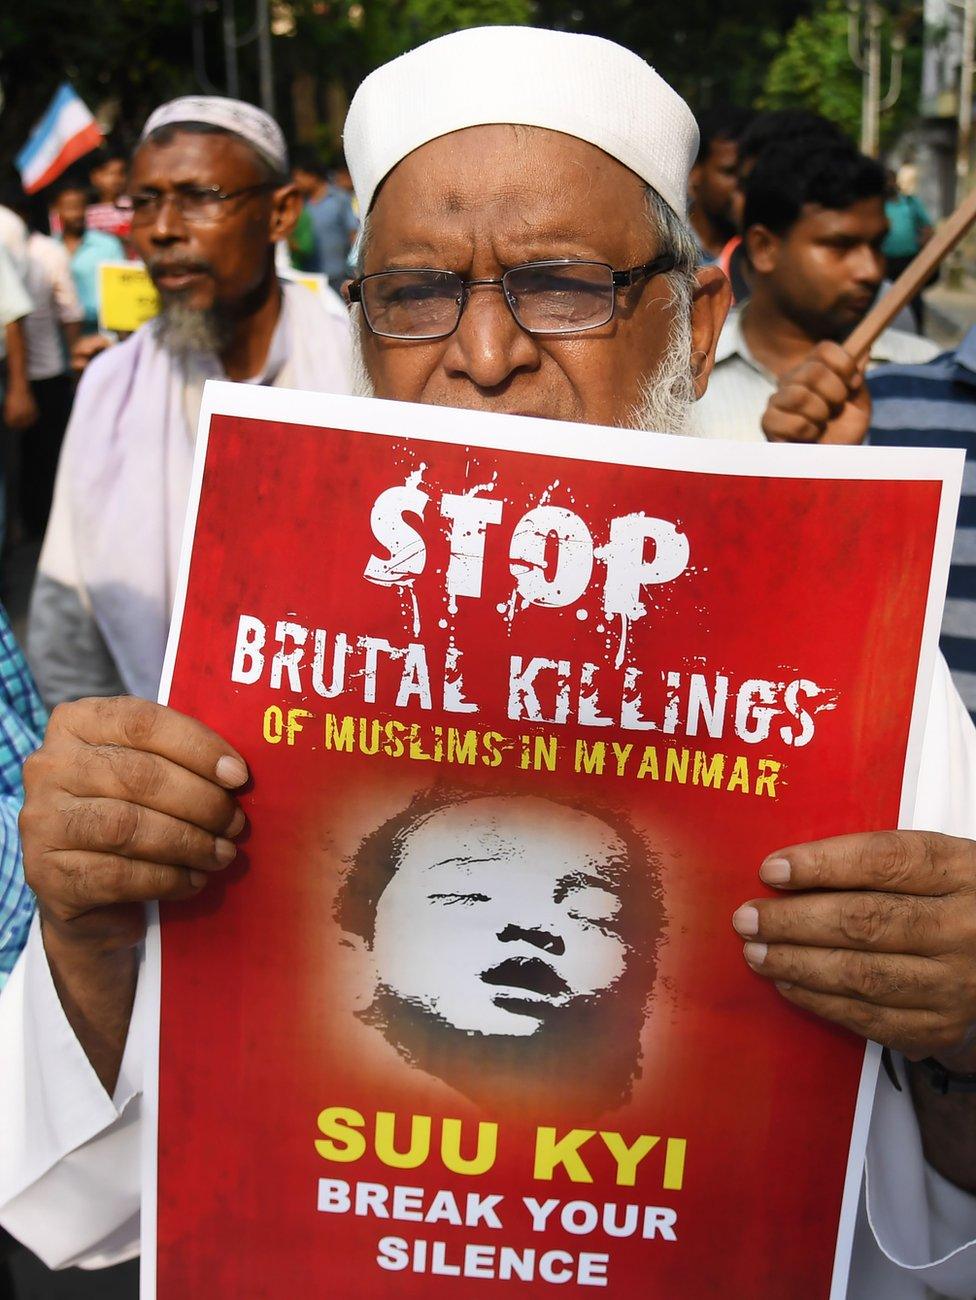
<point x="931" y="144"/>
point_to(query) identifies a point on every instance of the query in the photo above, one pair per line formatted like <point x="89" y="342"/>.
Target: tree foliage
<point x="713" y="53"/>
<point x="140" y="52"/>
<point x="813" y="69"/>
<point x="392" y="27"/>
<point x="129" y="51"/>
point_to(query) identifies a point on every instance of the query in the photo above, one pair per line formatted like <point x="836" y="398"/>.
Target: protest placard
<point x="127" y="297"/>
<point x="525" y="706"/>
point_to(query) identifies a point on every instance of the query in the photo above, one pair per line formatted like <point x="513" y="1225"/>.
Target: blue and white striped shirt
<point x="934" y="405"/>
<point x="22" y="723"/>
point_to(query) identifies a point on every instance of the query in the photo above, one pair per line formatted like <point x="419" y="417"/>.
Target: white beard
<point x="362" y="385"/>
<point x="667" y="397"/>
<point x="183" y="330"/>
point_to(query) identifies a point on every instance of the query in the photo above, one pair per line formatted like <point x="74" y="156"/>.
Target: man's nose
<point x="489" y="345"/>
<point x="170" y="224"/>
<point x="870" y="266"/>
<point x="537" y="937"/>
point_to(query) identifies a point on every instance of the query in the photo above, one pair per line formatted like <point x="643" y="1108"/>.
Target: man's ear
<point x="286" y="208"/>
<point x="709" y="308"/>
<point x="762" y="248"/>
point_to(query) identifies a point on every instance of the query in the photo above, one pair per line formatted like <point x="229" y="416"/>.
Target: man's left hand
<point x="877" y="933"/>
<point x="19" y="408"/>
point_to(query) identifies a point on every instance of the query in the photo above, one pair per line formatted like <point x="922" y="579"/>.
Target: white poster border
<point x="575" y="442"/>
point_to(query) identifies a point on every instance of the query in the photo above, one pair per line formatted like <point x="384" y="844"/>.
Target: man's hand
<point x="86" y="349"/>
<point x="19" y="407"/>
<point x="825" y="399"/>
<point x="877" y="933"/>
<point x="126" y="801"/>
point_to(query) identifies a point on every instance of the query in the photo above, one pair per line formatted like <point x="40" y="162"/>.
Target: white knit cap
<point x="254" y="125"/>
<point x="583" y="86"/>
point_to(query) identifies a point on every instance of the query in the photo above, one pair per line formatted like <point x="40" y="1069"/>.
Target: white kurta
<point x="70" y="1157"/>
<point x="106" y="577"/>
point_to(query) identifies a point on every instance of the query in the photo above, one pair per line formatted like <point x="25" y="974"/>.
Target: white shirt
<point x="13" y="235"/>
<point x="15" y="302"/>
<point x="50" y="284"/>
<point x="739" y="388"/>
<point x="70" y="1159"/>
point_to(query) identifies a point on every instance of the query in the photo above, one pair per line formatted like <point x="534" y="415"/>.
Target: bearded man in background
<point x="210" y="196"/>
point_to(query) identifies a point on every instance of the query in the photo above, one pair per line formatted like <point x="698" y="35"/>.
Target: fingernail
<point x="746" y="921"/>
<point x="224" y="851"/>
<point x="231" y="772"/>
<point x="783" y="985"/>
<point x="198" y="879"/>
<point x="755" y="953"/>
<point x="236" y="824"/>
<point x="776" y="871"/>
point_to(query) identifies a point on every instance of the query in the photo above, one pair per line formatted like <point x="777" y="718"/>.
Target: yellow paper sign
<point x="317" y="283"/>
<point x="127" y="297"/>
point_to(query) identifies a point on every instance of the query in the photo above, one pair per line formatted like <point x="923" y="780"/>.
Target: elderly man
<point x="525" y="251"/>
<point x="210" y="198"/>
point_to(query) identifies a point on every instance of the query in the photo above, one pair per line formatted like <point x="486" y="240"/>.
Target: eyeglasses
<point x="557" y="297"/>
<point x="192" y="202"/>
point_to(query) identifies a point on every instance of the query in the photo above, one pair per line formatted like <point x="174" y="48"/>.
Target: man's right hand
<point x="824" y="399"/>
<point x="86" y="349"/>
<point x="126" y="801"/>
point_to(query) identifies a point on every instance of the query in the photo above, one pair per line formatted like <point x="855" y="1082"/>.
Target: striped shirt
<point x="934" y="405"/>
<point x="22" y="723"/>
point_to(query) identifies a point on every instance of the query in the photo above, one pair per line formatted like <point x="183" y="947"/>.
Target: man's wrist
<point x="80" y="940"/>
<point x="95" y="983"/>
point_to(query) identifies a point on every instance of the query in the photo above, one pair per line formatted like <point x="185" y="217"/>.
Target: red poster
<point x="525" y="706"/>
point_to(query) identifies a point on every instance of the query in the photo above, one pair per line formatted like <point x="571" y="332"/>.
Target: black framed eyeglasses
<point x="555" y="297"/>
<point x="192" y="202"/>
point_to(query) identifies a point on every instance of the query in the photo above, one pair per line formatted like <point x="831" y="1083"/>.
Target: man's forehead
<point x="509" y="157"/>
<point x="865" y="217"/>
<point x="522" y="181"/>
<point x="723" y="152"/>
<point x="196" y="157"/>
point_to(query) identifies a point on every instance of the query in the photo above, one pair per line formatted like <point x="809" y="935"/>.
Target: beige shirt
<point x="740" y="388"/>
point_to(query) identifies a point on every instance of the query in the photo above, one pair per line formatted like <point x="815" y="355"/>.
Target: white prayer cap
<point x="254" y="125"/>
<point x="583" y="86"/>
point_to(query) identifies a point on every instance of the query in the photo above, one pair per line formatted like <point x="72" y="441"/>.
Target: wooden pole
<point x="912" y="280"/>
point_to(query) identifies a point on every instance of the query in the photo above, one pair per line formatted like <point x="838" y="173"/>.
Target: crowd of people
<point x="776" y="213"/>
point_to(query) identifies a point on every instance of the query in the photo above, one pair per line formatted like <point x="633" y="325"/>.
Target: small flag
<point x="65" y="133"/>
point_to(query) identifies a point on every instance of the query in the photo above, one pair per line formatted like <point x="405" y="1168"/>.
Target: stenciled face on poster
<point x="522" y="725"/>
<point x="532" y="934"/>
